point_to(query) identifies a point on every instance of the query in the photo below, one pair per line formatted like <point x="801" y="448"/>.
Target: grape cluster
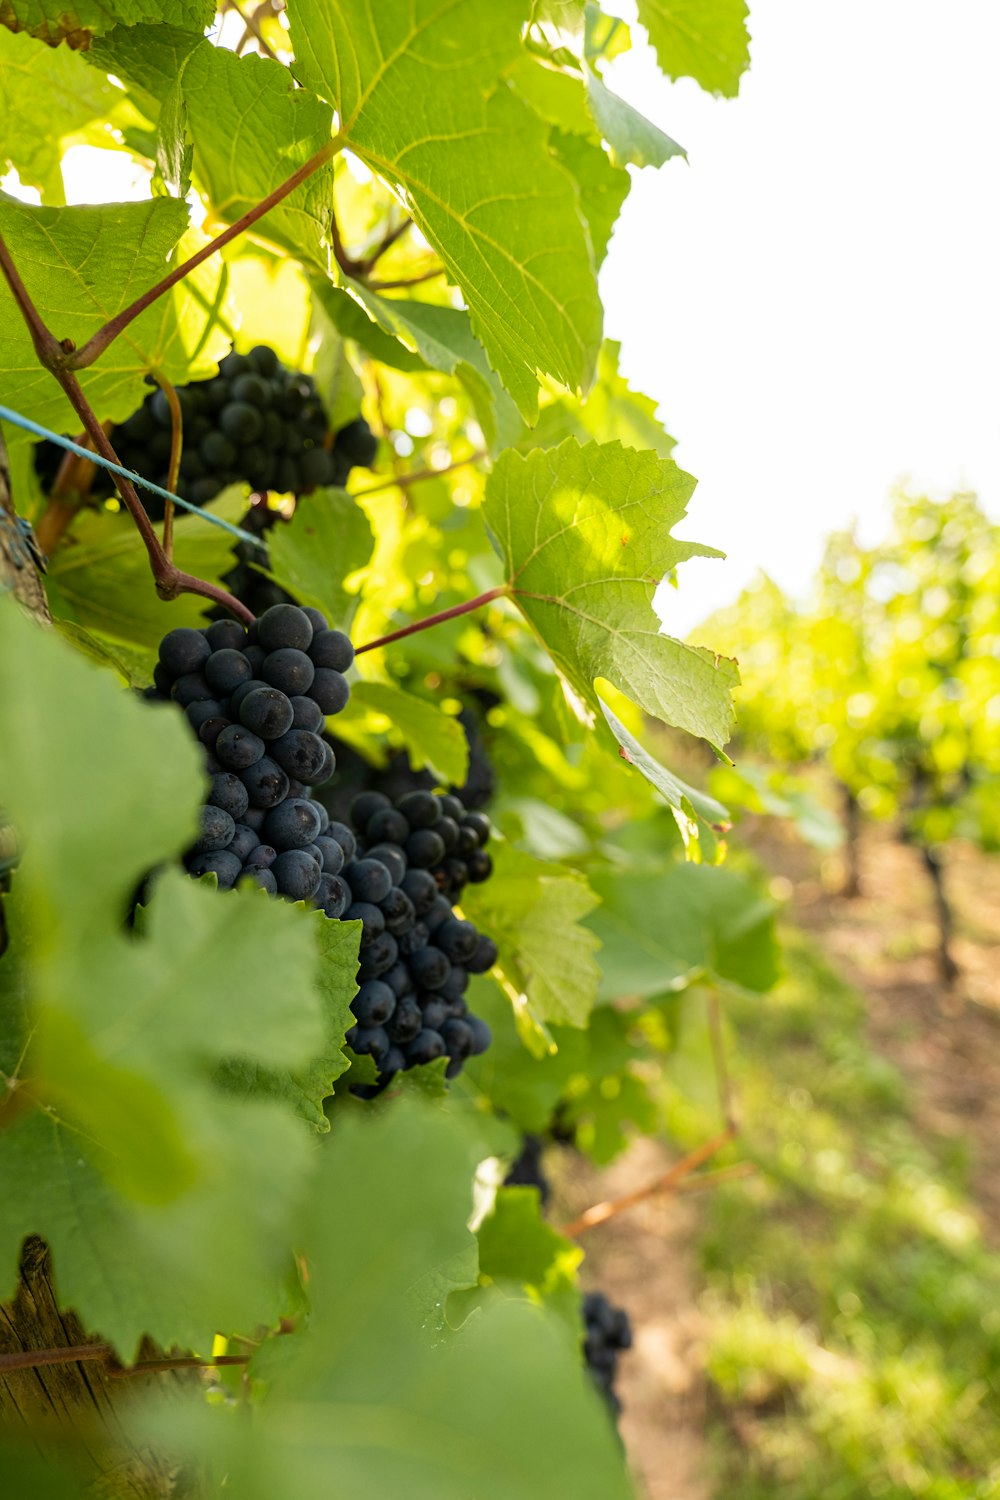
<point x="526" y="1169"/>
<point x="258" y="700"/>
<point x="255" y="422"/>
<point x="607" y="1331"/>
<point x="416" y="954"/>
<point x="398" y="776"/>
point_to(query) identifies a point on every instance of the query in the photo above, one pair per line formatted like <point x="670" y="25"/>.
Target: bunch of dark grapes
<point x="256" y="422"/>
<point x="526" y="1169"/>
<point x="398" y="776"/>
<point x="257" y="701"/>
<point x="607" y="1331"/>
<point x="416" y="955"/>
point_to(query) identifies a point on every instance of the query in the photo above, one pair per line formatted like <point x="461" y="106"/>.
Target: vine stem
<point x="403" y="481"/>
<point x="465" y="608"/>
<point x="174" y="467"/>
<point x="666" y="1182"/>
<point x="79" y="359"/>
<point x="253" y="27"/>
<point x="389" y="238"/>
<point x="388" y="286"/>
<point x="169" y="581"/>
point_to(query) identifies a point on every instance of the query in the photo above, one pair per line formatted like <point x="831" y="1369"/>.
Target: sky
<point x="814" y="300"/>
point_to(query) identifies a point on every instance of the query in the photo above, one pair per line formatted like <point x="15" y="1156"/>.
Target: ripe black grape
<point x="257" y="699"/>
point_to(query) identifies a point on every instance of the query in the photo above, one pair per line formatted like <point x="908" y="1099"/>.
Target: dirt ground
<point x="945" y="1043"/>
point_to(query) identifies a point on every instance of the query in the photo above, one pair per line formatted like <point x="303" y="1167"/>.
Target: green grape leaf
<point x="696" y="814"/>
<point x="706" y="40"/>
<point x="82" y="265"/>
<point x="557" y="96"/>
<point x="442" y="339"/>
<point x="45" y="95"/>
<point x="533" y="912"/>
<point x="517" y="1246"/>
<point x="429" y="736"/>
<point x="250" y="125"/>
<point x="164" y="1201"/>
<point x="611" y="411"/>
<point x="337" y="383"/>
<point x="102" y="581"/>
<point x="314" y="554"/>
<point x="526" y="1088"/>
<point x="419" y="91"/>
<point x="603" y="187"/>
<point x="54" y="23"/>
<point x="584" y="537"/>
<point x="605" y="37"/>
<point x="688" y="922"/>
<point x="133" y="665"/>
<point x="305" y="1088"/>
<point x="389" y="1210"/>
<point x="633" y="139"/>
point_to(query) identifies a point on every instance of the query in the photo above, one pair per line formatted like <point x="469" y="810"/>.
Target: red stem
<point x="169" y="581"/>
<point x="445" y="614"/>
<point x="105" y="336"/>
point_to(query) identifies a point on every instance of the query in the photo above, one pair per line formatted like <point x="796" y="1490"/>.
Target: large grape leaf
<point x="533" y="911"/>
<point x="45" y="94"/>
<point x="429" y="736"/>
<point x="53" y="22"/>
<point x="419" y="90"/>
<point x="164" y="1201"/>
<point x="584" y="535"/>
<point x="706" y="40"/>
<point x="327" y="540"/>
<point x="632" y="138"/>
<point x="250" y="127"/>
<point x="81" y="265"/>
<point x="501" y="1408"/>
<point x="664" y="929"/>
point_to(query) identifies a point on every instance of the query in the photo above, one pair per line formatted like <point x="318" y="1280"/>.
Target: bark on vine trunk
<point x="852" y="844"/>
<point x="79" y="1411"/>
<point x="18" y="571"/>
<point x="947" y="963"/>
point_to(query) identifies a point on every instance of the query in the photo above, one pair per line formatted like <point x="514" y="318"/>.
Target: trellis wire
<point x="7" y="415"/>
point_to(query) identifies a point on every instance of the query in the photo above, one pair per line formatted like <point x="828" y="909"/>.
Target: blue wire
<point x="6" y="415"/>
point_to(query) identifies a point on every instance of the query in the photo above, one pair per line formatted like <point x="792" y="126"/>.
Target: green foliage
<point x="177" y="1119"/>
<point x="701" y="39"/>
<point x="383" y="75"/>
<point x="534" y="911"/>
<point x="584" y="537"/>
<point x="889" y="672"/>
<point x="81" y="266"/>
<point x="501" y="1405"/>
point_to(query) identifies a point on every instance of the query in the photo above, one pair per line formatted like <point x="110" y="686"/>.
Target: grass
<point x="853" y="1309"/>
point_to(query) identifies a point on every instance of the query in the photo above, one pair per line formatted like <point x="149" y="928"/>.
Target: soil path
<point x="946" y="1045"/>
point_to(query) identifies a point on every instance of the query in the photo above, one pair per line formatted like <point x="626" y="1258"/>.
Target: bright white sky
<point x="815" y="299"/>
